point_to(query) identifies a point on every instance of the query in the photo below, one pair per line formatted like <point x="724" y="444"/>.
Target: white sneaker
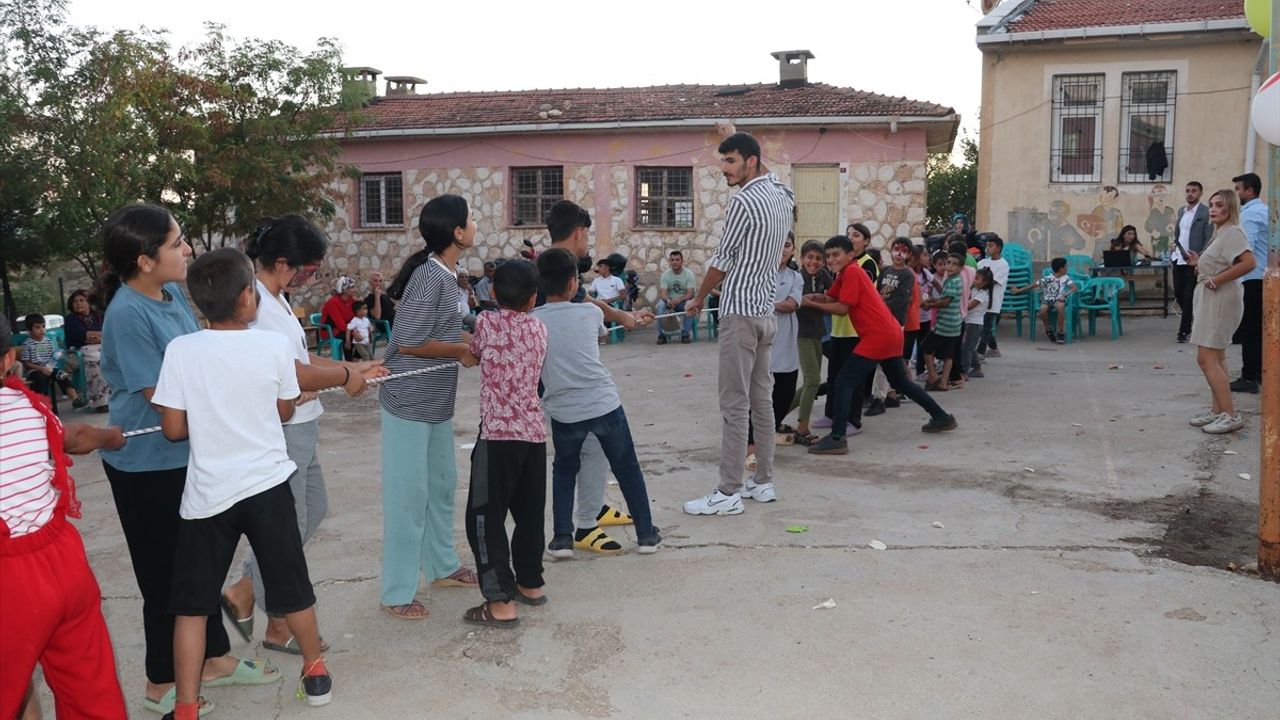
<point x="1204" y="418"/>
<point x="717" y="503"/>
<point x="1224" y="424"/>
<point x="760" y="493"/>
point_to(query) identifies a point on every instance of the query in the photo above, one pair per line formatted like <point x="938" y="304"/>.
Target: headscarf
<point x="343" y="284"/>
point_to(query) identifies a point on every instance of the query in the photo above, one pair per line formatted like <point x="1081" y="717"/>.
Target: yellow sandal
<point x="610" y="516"/>
<point x="595" y="542"/>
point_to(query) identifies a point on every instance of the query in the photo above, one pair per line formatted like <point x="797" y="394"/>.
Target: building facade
<point x="643" y="162"/>
<point x="1095" y="114"/>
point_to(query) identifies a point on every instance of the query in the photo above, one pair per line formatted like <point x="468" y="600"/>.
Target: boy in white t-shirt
<point x="359" y="331"/>
<point x="607" y="287"/>
<point x="237" y="473"/>
<point x="988" y="347"/>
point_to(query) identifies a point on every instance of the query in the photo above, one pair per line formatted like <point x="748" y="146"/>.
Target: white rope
<point x="668" y="315"/>
<point x="374" y="381"/>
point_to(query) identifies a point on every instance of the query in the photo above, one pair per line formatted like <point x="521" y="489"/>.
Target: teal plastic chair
<point x="381" y="331"/>
<point x="1017" y="256"/>
<point x="713" y="328"/>
<point x="1103" y="294"/>
<point x="1023" y="303"/>
<point x="1071" y="325"/>
<point x="335" y="343"/>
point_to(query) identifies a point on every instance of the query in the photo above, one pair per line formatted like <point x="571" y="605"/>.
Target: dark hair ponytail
<point x="291" y="238"/>
<point x="130" y="232"/>
<point x="439" y="218"/>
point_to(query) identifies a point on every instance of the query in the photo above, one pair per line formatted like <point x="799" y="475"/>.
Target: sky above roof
<point x="920" y="49"/>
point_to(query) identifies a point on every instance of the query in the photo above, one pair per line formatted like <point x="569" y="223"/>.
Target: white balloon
<point x="1266" y="110"/>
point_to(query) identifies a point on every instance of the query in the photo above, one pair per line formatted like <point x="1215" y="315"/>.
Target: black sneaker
<point x="1244" y="385"/>
<point x="934" y="425"/>
<point x="685" y="339"/>
<point x="662" y="339"/>
<point x="318" y="689"/>
<point x="830" y="445"/>
<point x="561" y="546"/>
<point x="1053" y="336"/>
<point x="822" y="390"/>
<point x="892" y="402"/>
<point x="875" y="408"/>
<point x="1183" y="337"/>
<point x="649" y="544"/>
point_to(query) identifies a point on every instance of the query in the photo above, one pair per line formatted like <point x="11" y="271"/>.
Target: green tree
<point x="952" y="187"/>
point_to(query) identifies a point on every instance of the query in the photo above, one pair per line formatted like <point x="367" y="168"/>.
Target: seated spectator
<point x="676" y="286"/>
<point x="1054" y="291"/>
<point x="607" y="287"/>
<point x="84" y="333"/>
<point x="380" y="304"/>
<point x="336" y="311"/>
<point x="40" y="365"/>
<point x="1128" y="240"/>
<point x="484" y="289"/>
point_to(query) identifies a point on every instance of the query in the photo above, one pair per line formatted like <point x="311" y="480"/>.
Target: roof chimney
<point x="360" y="84"/>
<point x="793" y="67"/>
<point x="403" y="85"/>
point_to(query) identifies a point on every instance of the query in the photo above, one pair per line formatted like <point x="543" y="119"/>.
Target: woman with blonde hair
<point x="1218" y="305"/>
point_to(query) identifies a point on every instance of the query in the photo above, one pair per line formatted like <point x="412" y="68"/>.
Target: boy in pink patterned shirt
<point x="509" y="462"/>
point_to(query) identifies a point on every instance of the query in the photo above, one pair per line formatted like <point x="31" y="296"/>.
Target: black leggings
<point x="839" y="351"/>
<point x="147" y="503"/>
<point x="855" y="372"/>
<point x="784" y="391"/>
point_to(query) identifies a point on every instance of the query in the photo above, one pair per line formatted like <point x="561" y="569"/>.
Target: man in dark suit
<point x="1192" y="231"/>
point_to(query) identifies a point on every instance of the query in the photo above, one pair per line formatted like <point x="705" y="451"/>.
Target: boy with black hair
<point x="942" y="342"/>
<point x="879" y="346"/>
<point x="1054" y="291"/>
<point x="509" y="462"/>
<point x="988" y="347"/>
<point x="51" y="606"/>
<point x="568" y="224"/>
<point x="582" y="401"/>
<point x="237" y="477"/>
<point x="40" y="364"/>
<point x="359" y="332"/>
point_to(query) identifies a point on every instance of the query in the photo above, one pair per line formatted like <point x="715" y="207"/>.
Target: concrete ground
<point x="1060" y="555"/>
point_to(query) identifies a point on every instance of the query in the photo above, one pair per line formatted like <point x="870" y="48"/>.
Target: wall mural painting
<point x="1064" y="229"/>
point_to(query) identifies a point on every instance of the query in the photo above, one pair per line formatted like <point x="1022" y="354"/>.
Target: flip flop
<point x="243" y="626"/>
<point x="290" y="647"/>
<point x="611" y="516"/>
<point x="166" y="702"/>
<point x="526" y="600"/>
<point x="399" y="611"/>
<point x="247" y="672"/>
<point x="480" y="615"/>
<point x="463" y="577"/>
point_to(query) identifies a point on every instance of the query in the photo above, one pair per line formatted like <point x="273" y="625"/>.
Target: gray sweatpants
<point x="593" y="475"/>
<point x="746" y="389"/>
<point x="310" y="500"/>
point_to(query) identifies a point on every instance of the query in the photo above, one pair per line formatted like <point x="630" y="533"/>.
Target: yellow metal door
<point x="817" y="189"/>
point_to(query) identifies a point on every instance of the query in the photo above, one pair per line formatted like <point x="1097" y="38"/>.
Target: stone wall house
<point x="642" y="161"/>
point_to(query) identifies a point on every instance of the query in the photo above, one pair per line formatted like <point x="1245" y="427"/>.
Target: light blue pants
<point x="418" y="483"/>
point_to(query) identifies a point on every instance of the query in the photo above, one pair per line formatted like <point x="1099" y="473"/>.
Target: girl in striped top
<point x="418" y="472"/>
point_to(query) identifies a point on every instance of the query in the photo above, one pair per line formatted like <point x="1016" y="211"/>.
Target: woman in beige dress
<point x="1218" y="306"/>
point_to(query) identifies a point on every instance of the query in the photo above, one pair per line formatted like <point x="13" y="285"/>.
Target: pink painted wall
<point x="807" y="145"/>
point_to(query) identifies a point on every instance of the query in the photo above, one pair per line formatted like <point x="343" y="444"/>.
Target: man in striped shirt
<point x="746" y="261"/>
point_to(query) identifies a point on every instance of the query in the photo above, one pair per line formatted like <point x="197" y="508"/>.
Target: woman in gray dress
<point x="1218" y="306"/>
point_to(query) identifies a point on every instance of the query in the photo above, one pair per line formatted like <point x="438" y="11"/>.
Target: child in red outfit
<point x="509" y="462"/>
<point x="51" y="607"/>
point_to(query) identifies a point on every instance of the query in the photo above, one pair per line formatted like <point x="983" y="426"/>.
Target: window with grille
<point x="1147" y="102"/>
<point x="534" y="191"/>
<point x="664" y="197"/>
<point x="381" y="200"/>
<point x="1075" y="154"/>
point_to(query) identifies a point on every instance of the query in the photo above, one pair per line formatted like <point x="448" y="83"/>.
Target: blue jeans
<point x="686" y="322"/>
<point x="614" y="434"/>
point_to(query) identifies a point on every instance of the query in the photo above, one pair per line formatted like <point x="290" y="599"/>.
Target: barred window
<point x="1147" y="102"/>
<point x="535" y="190"/>
<point x="664" y="197"/>
<point x="381" y="200"/>
<point x="1075" y="154"/>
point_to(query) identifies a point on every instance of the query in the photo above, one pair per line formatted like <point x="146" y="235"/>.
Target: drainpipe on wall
<point x="1255" y="81"/>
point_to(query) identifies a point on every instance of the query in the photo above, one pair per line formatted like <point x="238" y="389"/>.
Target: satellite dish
<point x="989" y="5"/>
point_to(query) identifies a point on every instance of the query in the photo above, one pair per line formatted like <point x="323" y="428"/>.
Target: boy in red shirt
<point x="880" y="345"/>
<point x="51" y="607"/>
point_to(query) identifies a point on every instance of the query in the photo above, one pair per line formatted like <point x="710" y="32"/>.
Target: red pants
<point x="51" y="613"/>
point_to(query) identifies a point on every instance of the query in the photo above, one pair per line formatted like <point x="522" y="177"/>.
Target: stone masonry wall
<point x="889" y="198"/>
